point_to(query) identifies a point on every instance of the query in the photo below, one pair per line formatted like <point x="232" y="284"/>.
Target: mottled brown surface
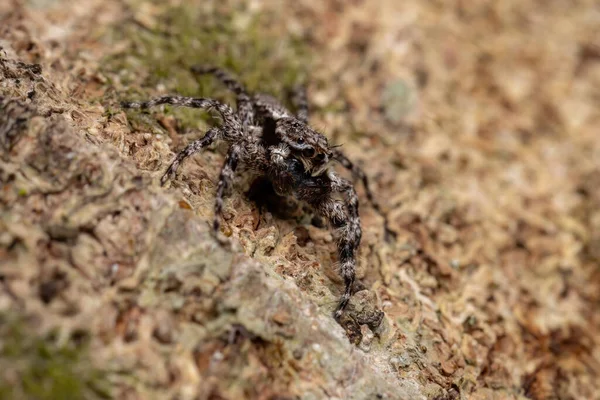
<point x="478" y="125"/>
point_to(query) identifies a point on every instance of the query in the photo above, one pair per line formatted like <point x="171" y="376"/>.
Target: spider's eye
<point x="300" y="141"/>
<point x="320" y="157"/>
<point x="308" y="152"/>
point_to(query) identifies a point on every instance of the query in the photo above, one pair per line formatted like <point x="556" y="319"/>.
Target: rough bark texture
<point x="477" y="123"/>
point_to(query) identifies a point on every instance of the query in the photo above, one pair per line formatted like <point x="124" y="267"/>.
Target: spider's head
<point x="306" y="144"/>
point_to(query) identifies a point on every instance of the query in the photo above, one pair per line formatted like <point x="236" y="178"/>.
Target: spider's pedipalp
<point x="225" y="181"/>
<point x="245" y="109"/>
<point x="190" y="149"/>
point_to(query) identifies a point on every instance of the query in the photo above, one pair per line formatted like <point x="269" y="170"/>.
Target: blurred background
<point x="476" y="121"/>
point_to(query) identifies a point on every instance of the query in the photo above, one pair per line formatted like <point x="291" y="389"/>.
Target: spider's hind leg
<point x="300" y="102"/>
<point x="245" y="109"/>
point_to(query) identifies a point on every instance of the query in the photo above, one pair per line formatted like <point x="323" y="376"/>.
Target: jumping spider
<point x="272" y="142"/>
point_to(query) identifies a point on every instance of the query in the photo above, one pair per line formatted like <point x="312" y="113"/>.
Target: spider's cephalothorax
<point x="268" y="139"/>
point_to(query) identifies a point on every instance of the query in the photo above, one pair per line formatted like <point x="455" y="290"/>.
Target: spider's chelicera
<point x="268" y="139"/>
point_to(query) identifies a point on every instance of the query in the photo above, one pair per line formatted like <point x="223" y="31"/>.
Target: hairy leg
<point x="268" y="107"/>
<point x="358" y="173"/>
<point x="190" y="149"/>
<point x="225" y="182"/>
<point x="289" y="177"/>
<point x="300" y="101"/>
<point x="349" y="235"/>
<point x="245" y="110"/>
<point x="347" y="242"/>
<point x="232" y="127"/>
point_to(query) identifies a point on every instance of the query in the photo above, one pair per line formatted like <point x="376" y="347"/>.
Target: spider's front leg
<point x="225" y="182"/>
<point x="349" y="232"/>
<point x="289" y="177"/>
<point x="245" y="108"/>
<point x="190" y="149"/>
<point x="359" y="174"/>
<point x="233" y="129"/>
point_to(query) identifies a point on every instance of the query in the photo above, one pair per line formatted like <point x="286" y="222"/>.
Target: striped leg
<point x="225" y="181"/>
<point x="348" y="240"/>
<point x="300" y="101"/>
<point x="232" y="127"/>
<point x="190" y="149"/>
<point x="349" y="236"/>
<point x="358" y="173"/>
<point x="245" y="109"/>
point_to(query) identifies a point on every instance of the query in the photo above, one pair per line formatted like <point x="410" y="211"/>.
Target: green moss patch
<point x="36" y="367"/>
<point x="159" y="54"/>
